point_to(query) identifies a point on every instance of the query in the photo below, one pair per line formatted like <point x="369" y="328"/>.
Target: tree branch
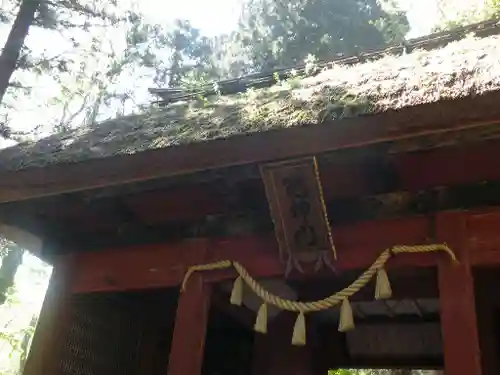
<point x="15" y="42"/>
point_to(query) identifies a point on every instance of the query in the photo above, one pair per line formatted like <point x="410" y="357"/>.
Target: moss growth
<point x="463" y="68"/>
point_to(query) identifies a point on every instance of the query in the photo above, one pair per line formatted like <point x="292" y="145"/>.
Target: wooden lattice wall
<point x="115" y="333"/>
<point x="103" y="337"/>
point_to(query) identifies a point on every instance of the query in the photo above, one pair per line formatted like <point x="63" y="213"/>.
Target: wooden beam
<point x="445" y="166"/>
<point x="186" y="210"/>
<point x="421" y="285"/>
<point x="458" y="302"/>
<point x="136" y="267"/>
<point x="341" y="178"/>
<point x="188" y="341"/>
<point x="100" y="232"/>
<point x="350" y="193"/>
<point x="165" y="265"/>
<point x="423" y="120"/>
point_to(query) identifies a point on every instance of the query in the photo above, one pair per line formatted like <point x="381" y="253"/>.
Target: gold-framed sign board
<point x="295" y="197"/>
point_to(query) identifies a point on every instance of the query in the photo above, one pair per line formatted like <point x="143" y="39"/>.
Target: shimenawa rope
<point x="383" y="289"/>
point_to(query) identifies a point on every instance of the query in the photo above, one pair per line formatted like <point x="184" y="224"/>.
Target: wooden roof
<point x="465" y="68"/>
<point x="116" y="199"/>
<point x="403" y="103"/>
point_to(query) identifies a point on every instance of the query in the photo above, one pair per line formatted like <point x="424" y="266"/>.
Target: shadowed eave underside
<point x="464" y="68"/>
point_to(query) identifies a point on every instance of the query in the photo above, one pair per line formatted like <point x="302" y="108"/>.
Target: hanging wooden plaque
<point x="295" y="197"/>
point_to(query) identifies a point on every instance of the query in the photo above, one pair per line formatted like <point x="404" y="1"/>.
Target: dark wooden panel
<point x="333" y="350"/>
<point x="395" y="340"/>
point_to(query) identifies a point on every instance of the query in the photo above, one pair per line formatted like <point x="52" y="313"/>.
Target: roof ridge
<point x="268" y="78"/>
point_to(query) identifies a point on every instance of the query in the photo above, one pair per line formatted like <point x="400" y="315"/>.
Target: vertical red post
<point x="457" y="298"/>
<point x="188" y="341"/>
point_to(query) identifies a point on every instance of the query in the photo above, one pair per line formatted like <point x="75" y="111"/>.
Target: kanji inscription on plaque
<point x="295" y="196"/>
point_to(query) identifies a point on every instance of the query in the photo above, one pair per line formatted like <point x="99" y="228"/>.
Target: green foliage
<point x="17" y="319"/>
<point x="11" y="259"/>
<point x="456" y="13"/>
<point x="94" y="76"/>
<point x="188" y="55"/>
<point x="20" y="59"/>
<point x="342" y="372"/>
<point x="277" y="34"/>
<point x="393" y="25"/>
<point x="380" y="372"/>
<point x="19" y="341"/>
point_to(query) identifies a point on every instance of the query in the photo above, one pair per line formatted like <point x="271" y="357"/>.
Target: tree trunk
<point x="15" y="41"/>
<point x="10" y="264"/>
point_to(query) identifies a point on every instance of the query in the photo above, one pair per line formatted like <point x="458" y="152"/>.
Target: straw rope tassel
<point x="299" y="330"/>
<point x="237" y="292"/>
<point x="346" y="319"/>
<point x="383" y="288"/>
<point x="261" y="320"/>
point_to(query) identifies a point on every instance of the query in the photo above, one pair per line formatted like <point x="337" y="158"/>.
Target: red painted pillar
<point x="188" y="340"/>
<point x="457" y="298"/>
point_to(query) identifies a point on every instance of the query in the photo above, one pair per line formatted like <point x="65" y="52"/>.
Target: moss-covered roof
<point x="467" y="67"/>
